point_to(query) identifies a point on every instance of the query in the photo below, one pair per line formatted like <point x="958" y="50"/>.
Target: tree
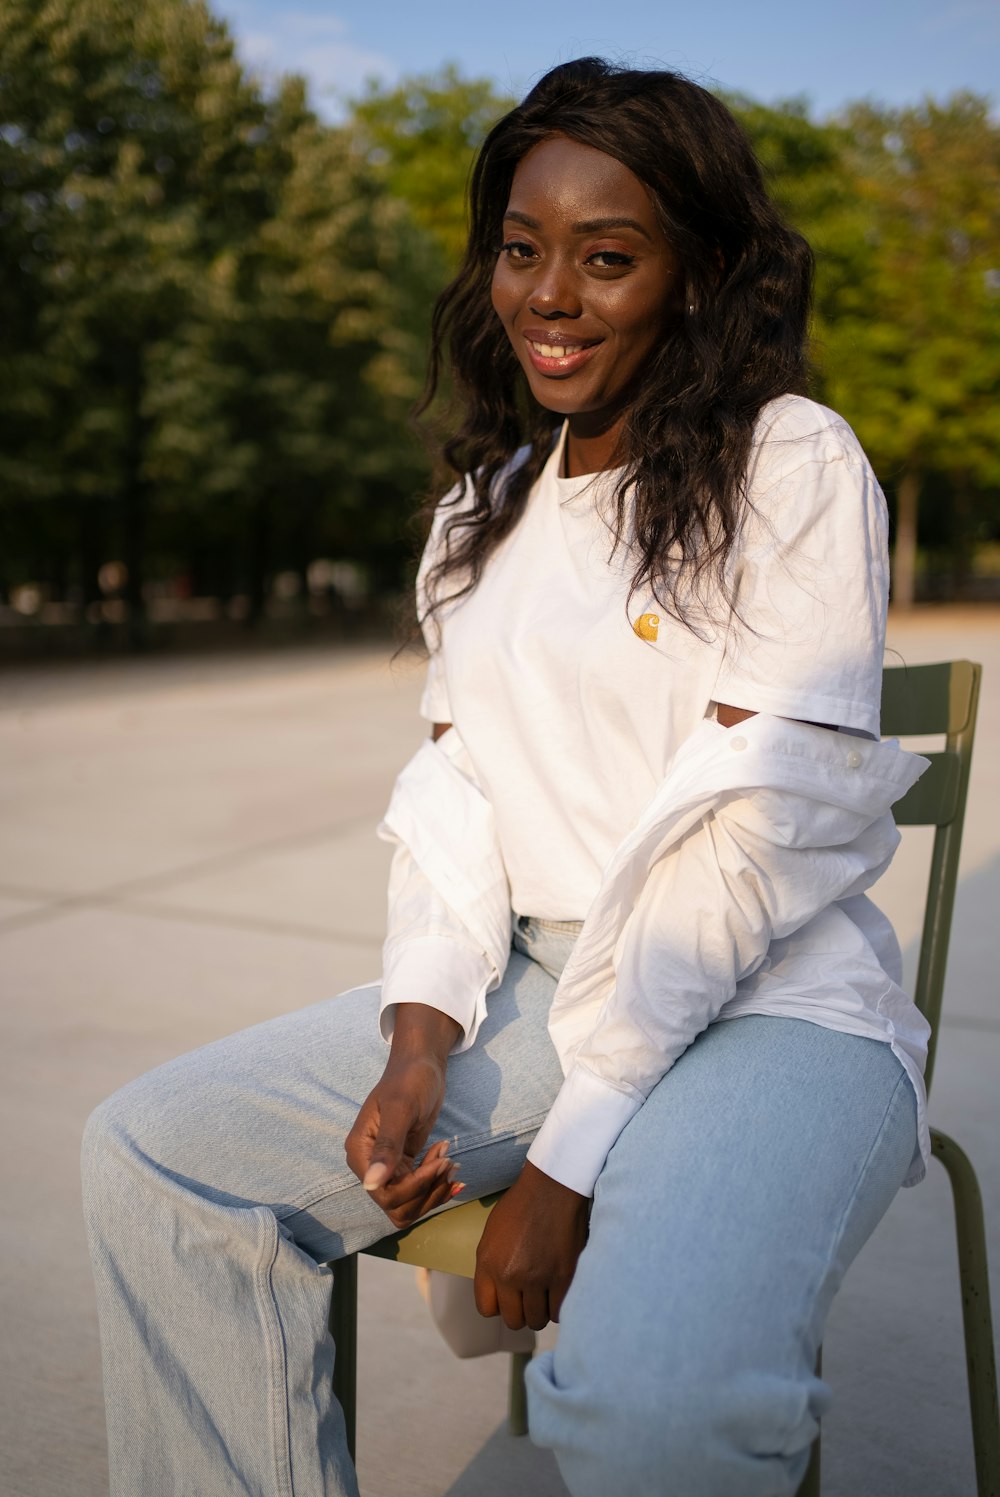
<point x="420" y="138"/>
<point x="130" y="155"/>
<point x="215" y="308"/>
<point x="913" y="351"/>
<point x="285" y="393"/>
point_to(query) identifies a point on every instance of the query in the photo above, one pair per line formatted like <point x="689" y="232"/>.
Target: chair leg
<point x="344" y="1330"/>
<point x="517" y="1403"/>
<point x="811" y="1481"/>
<point x="973" y="1269"/>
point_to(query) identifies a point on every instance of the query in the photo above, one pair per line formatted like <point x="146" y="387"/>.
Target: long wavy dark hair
<point x="686" y="441"/>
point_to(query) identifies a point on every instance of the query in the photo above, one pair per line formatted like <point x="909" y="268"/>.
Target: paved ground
<point x="187" y="848"/>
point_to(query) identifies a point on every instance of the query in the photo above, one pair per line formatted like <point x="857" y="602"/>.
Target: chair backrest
<point x="941" y="699"/>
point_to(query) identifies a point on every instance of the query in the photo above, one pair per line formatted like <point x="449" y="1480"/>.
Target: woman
<point x="655" y="612"/>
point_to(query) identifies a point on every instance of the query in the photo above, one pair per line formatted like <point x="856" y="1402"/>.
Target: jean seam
<point x="277" y="1360"/>
<point x="902" y="1083"/>
<point x="559" y="927"/>
<point x="483" y="1140"/>
<point x="348" y="1179"/>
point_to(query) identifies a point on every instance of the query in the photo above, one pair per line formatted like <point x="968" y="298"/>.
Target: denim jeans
<point x="216" y="1194"/>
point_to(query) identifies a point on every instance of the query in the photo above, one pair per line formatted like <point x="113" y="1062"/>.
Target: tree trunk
<point x="962" y="538"/>
<point x="135" y="494"/>
<point x="904" y="569"/>
<point x="260" y="559"/>
<point x="91" y="514"/>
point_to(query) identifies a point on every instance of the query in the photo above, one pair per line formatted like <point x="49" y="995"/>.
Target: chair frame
<point x="916" y="701"/>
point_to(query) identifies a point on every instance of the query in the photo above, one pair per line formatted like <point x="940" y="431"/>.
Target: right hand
<point x="397" y="1116"/>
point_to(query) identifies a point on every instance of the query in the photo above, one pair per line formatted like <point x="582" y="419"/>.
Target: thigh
<point x="725" y="1218"/>
<point x="259" y="1118"/>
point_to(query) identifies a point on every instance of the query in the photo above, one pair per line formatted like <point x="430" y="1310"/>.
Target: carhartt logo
<point x="646" y="625"/>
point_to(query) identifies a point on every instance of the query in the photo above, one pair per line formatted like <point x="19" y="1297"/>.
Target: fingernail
<point x="443" y="1166"/>
<point x="376" y="1175"/>
<point x="456" y="1190"/>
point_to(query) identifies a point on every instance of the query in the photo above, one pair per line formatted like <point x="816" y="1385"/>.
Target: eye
<point x="516" y="249"/>
<point x="610" y="259"/>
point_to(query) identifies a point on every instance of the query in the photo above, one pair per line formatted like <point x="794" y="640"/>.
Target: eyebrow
<point x="587" y="226"/>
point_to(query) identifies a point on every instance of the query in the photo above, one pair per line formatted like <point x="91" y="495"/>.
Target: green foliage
<point x="421" y="138"/>
<point x="210" y="306"/>
<point x="214" y="307"/>
<point x="902" y="208"/>
<point x="915" y="354"/>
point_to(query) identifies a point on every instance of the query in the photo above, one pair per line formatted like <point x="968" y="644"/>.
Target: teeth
<point x="555" y="350"/>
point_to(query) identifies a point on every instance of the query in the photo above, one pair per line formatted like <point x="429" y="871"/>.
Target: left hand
<point x="527" y="1255"/>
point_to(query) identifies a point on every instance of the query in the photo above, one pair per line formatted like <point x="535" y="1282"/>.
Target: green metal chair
<point x="916" y="700"/>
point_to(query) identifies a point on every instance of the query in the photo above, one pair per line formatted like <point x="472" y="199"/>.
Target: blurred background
<point x="222" y="230"/>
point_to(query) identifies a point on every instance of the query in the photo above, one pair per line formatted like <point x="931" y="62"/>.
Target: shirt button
<point x="738" y="743"/>
<point x="853" y="759"/>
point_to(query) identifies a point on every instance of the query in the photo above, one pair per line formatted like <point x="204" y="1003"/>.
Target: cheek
<point x="500" y="295"/>
<point x="643" y="321"/>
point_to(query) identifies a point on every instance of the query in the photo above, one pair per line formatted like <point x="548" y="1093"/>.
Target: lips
<point x="555" y="353"/>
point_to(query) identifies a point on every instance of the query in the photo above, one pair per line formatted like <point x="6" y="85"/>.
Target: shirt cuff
<point x="442" y="973"/>
<point x="583" y="1123"/>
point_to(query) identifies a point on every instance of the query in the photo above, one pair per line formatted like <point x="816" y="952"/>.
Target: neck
<point x="590" y="448"/>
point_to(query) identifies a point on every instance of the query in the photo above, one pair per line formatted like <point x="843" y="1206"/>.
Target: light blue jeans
<point x="216" y="1193"/>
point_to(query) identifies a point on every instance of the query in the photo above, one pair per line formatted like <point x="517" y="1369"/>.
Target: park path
<point x="188" y="848"/>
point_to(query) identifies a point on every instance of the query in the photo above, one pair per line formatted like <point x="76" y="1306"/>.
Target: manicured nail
<point x="376" y="1175"/>
<point x="443" y="1166"/>
<point x="456" y="1190"/>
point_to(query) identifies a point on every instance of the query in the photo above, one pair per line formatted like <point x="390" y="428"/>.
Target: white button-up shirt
<point x="748" y="865"/>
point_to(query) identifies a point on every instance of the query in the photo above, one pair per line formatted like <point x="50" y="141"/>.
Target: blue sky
<point x="896" y="51"/>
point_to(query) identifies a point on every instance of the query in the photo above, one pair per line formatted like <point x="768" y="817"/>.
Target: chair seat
<point x="447" y="1242"/>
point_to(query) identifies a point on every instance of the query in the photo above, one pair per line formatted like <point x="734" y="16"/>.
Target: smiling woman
<point x="586" y="287"/>
<point x="631" y="974"/>
<point x="706" y="294"/>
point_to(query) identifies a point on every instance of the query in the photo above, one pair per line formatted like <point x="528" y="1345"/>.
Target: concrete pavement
<point x="187" y="849"/>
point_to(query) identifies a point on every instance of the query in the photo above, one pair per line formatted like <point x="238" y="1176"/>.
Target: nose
<point x="554" y="293"/>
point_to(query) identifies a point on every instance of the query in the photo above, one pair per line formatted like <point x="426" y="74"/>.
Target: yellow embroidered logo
<point x="646" y="625"/>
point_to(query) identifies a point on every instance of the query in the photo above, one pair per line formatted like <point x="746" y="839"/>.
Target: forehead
<point x="563" y="178"/>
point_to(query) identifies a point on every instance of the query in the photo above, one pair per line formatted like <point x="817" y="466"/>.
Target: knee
<point x="116" y="1138"/>
<point x="686" y="1431"/>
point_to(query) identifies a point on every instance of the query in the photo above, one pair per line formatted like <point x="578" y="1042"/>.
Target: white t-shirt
<point x="571" y="707"/>
<point x="718" y="873"/>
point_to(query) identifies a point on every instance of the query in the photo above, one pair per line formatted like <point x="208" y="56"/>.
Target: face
<point x="585" y="286"/>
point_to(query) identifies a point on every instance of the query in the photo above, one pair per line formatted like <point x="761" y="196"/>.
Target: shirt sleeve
<point x="428" y="955"/>
<point x="756" y="867"/>
<point x="809" y="578"/>
<point x="449" y="924"/>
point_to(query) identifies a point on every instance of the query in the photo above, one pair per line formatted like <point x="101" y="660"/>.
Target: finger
<point x="405" y="1216"/>
<point x="413" y="1185"/>
<point x="511" y="1307"/>
<point x="485" y="1292"/>
<point x="400" y="1132"/>
<point x="359" y="1142"/>
<point x="535" y="1304"/>
<point x="437" y="1194"/>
